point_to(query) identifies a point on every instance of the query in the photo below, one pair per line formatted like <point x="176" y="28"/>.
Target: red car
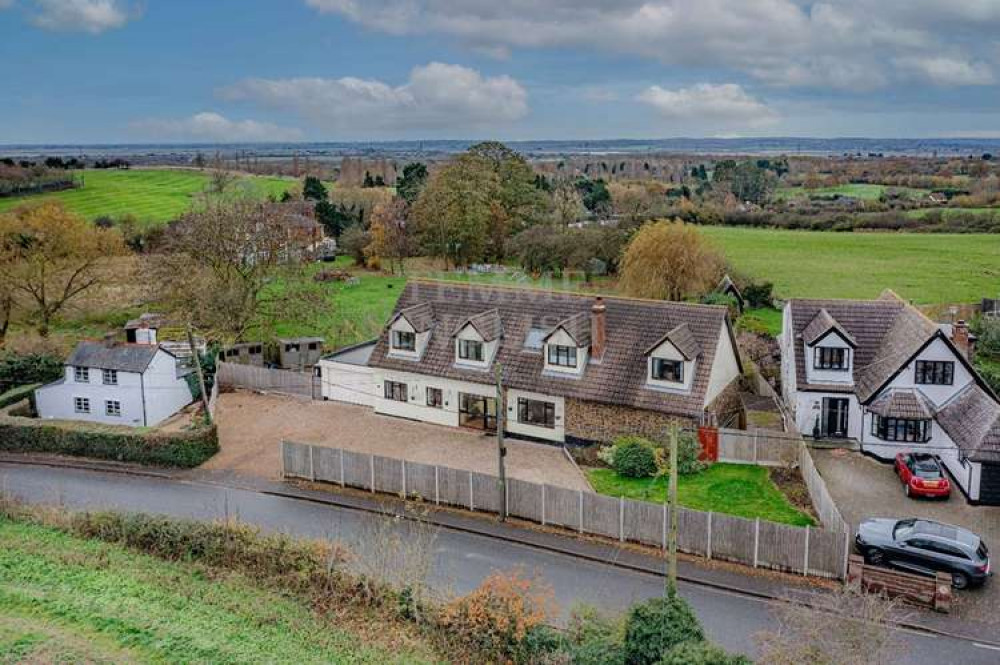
<point x="922" y="475"/>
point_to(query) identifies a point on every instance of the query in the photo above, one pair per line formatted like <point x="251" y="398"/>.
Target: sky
<point x="137" y="71"/>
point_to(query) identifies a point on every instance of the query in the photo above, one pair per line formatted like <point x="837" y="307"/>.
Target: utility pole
<point x="501" y="447"/>
<point x="201" y="375"/>
<point x="672" y="499"/>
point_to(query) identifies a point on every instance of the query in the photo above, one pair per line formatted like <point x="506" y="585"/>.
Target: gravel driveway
<point x="862" y="487"/>
<point x="252" y="426"/>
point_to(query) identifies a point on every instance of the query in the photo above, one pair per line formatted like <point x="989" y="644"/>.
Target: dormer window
<point x="404" y="341"/>
<point x="663" y="369"/>
<point x="830" y="358"/>
<point x="470" y="349"/>
<point x="935" y="372"/>
<point x="562" y="356"/>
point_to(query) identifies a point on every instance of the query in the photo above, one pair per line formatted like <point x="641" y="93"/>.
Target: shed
<point x="299" y="352"/>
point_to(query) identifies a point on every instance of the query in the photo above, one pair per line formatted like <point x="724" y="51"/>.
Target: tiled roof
<point x="487" y="324"/>
<point x="631" y="325"/>
<point x="972" y="420"/>
<point x="576" y="326"/>
<point x="821" y="324"/>
<point x="121" y="357"/>
<point x="421" y="316"/>
<point x="900" y="403"/>
<point x="683" y="340"/>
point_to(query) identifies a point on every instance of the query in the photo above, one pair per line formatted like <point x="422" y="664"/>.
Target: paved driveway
<point x="252" y="426"/>
<point x="863" y="487"/>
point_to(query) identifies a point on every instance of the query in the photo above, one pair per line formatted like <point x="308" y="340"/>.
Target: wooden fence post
<point x="581" y="511"/>
<point x="312" y="463"/>
<point x="371" y="465"/>
<point x="284" y="471"/>
<point x="805" y="562"/>
<point x="402" y="464"/>
<point x="708" y="547"/>
<point x="847" y="550"/>
<point x="543" y="504"/>
<point x="471" y="502"/>
<point x="621" y="519"/>
<point x="756" y="542"/>
<point x="506" y="496"/>
<point x="342" y="484"/>
<point x="756" y="433"/>
<point x="664" y="526"/>
<point x="437" y="490"/>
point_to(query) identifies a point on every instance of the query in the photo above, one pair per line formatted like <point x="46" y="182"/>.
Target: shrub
<point x="657" y="625"/>
<point x="499" y="619"/>
<point x="19" y="369"/>
<point x="688" y="451"/>
<point x="184" y="449"/>
<point x="759" y="294"/>
<point x="353" y="242"/>
<point x="634" y="457"/>
<point x="15" y="395"/>
<point x="592" y="639"/>
<point x="701" y="653"/>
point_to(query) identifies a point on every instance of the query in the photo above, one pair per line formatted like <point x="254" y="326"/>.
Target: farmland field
<point x="862" y="191"/>
<point x="946" y="212"/>
<point x="151" y="195"/>
<point x="925" y="268"/>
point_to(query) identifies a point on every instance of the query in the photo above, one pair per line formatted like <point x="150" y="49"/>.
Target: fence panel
<point x="644" y="522"/>
<point x="388" y="475"/>
<point x="295" y="458"/>
<point x="826" y="553"/>
<point x="777" y="451"/>
<point x="420" y="480"/>
<point x="357" y="470"/>
<point x="524" y="499"/>
<point x="486" y="492"/>
<point x="562" y="506"/>
<point x="692" y="531"/>
<point x="262" y="379"/>
<point x="453" y="485"/>
<point x="735" y="446"/>
<point x="326" y="464"/>
<point x="781" y="546"/>
<point x="601" y="514"/>
<point x="732" y="538"/>
<point x="827" y="510"/>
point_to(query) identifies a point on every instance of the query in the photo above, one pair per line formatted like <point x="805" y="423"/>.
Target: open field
<point x="735" y="489"/>
<point x="68" y="599"/>
<point x="151" y="195"/>
<point x="947" y="212"/>
<point x="926" y="268"/>
<point x="862" y="191"/>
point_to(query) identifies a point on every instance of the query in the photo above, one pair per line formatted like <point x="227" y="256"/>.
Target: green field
<point x="925" y="268"/>
<point x="863" y="191"/>
<point x="947" y="212"/>
<point x="735" y="489"/>
<point x="151" y="195"/>
<point x="67" y="599"/>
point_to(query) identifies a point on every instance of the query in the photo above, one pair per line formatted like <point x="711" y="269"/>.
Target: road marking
<point x="991" y="647"/>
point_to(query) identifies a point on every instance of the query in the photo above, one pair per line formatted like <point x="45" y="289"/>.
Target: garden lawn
<point x="763" y="320"/>
<point x="150" y="195"/>
<point x="864" y="191"/>
<point x="735" y="489"/>
<point x="66" y="599"/>
<point x="924" y="268"/>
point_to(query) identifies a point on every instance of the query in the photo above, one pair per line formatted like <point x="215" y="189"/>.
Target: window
<point x="255" y="350"/>
<point x="81" y="375"/>
<point x="404" y="341"/>
<point x="81" y="405"/>
<point x="830" y="358"/>
<point x="935" y="372"/>
<point x="395" y="391"/>
<point x="109" y="377"/>
<point x="536" y="412"/>
<point x="901" y="429"/>
<point x="291" y="347"/>
<point x="470" y="349"/>
<point x="113" y="407"/>
<point x="313" y="346"/>
<point x="563" y="356"/>
<point x="668" y="370"/>
<point x="435" y="398"/>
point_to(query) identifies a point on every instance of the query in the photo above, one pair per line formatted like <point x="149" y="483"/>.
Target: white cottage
<point x="881" y="373"/>
<point x="117" y="384"/>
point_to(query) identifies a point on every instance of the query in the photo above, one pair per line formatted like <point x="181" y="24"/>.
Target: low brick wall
<point x="592" y="422"/>
<point x="930" y="592"/>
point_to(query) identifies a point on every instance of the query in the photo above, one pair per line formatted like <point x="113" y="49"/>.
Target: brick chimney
<point x="598" y="334"/>
<point x="110" y="339"/>
<point x="961" y="338"/>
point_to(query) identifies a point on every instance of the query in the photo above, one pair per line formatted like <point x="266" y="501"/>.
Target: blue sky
<point x="85" y="71"/>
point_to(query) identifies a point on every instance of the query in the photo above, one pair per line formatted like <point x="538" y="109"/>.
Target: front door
<point x="835" y="417"/>
<point x="477" y="411"/>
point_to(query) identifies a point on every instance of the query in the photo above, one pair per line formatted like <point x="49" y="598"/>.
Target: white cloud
<point x="945" y="71"/>
<point x="211" y="127"/>
<point x="848" y="44"/>
<point x="93" y="16"/>
<point x="437" y="96"/>
<point x="709" y="107"/>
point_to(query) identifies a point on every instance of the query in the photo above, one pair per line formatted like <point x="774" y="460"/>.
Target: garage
<point x="346" y="376"/>
<point x="989" y="484"/>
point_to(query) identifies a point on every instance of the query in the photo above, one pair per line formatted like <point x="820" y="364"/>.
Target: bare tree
<point x="220" y="177"/>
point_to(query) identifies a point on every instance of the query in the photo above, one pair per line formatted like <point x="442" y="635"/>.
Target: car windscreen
<point x="928" y="470"/>
<point x="902" y="528"/>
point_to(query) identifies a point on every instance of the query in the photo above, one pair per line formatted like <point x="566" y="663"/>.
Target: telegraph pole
<point x="201" y="375"/>
<point x="501" y="447"/>
<point x="672" y="499"/>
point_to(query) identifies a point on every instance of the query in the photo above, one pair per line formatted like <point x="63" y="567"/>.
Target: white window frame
<point x="113" y="408"/>
<point x="111" y="374"/>
<point x="81" y="405"/>
<point x="81" y="375"/>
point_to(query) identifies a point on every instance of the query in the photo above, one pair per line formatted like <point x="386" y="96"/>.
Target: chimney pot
<point x="960" y="337"/>
<point x="598" y="333"/>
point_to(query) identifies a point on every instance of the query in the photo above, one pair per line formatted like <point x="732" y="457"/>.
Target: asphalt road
<point x="460" y="560"/>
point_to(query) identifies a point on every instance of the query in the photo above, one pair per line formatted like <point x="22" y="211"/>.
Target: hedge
<point x="15" y="395"/>
<point x="185" y="449"/>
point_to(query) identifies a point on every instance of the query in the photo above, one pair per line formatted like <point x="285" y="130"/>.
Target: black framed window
<point x="829" y="358"/>
<point x="435" y="398"/>
<point x="907" y="430"/>
<point x="935" y="372"/>
<point x="395" y="391"/>
<point x="536" y="412"/>
<point x="667" y="370"/>
<point x="470" y="349"/>
<point x="563" y="356"/>
<point x="404" y="341"/>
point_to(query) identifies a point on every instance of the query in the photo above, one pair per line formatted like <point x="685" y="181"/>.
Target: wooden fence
<point x="265" y="380"/>
<point x="823" y="503"/>
<point x="758" y="446"/>
<point x="213" y="398"/>
<point x="754" y="542"/>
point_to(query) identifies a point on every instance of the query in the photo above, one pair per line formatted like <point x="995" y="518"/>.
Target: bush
<point x="20" y="369"/>
<point x="634" y="457"/>
<point x="15" y="395"/>
<point x="657" y="625"/>
<point x="759" y="294"/>
<point x="701" y="653"/>
<point x="184" y="449"/>
<point x="353" y="242"/>
<point x="592" y="639"/>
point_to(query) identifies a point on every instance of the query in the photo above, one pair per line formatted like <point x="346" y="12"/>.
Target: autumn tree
<point x="50" y="257"/>
<point x="669" y="261"/>
<point x="390" y="240"/>
<point x="747" y="181"/>
<point x="567" y="205"/>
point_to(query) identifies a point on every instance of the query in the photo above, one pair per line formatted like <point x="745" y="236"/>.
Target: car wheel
<point x="875" y="557"/>
<point x="959" y="580"/>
